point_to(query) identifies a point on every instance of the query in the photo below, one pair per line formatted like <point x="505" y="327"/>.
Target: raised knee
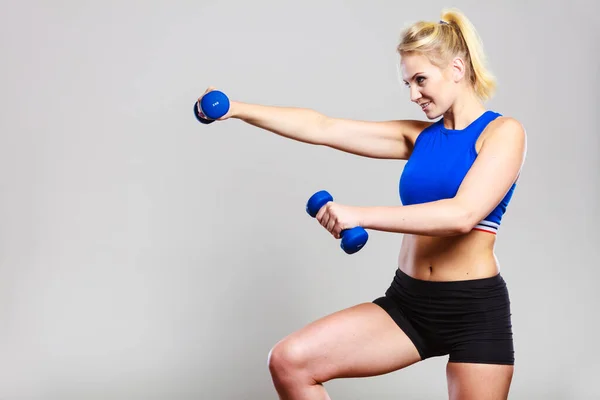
<point x="286" y="357"/>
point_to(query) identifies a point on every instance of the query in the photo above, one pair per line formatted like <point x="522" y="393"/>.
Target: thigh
<point x="360" y="341"/>
<point x="468" y="381"/>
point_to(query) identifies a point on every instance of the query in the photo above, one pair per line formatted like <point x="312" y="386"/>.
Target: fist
<point x="337" y="217"/>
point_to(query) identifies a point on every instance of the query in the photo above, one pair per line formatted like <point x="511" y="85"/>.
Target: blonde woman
<point x="447" y="296"/>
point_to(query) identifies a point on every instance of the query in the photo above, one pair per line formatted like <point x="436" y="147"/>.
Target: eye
<point x="419" y="79"/>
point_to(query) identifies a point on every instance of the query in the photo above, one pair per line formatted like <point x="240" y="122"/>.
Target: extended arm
<point x="375" y="139"/>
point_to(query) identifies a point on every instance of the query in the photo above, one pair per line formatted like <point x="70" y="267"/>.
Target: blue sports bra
<point x="439" y="162"/>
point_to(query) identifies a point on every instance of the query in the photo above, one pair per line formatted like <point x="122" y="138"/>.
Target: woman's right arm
<point x="385" y="139"/>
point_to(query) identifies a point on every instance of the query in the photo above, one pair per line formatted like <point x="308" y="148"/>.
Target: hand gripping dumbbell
<point x="212" y="105"/>
<point x="353" y="239"/>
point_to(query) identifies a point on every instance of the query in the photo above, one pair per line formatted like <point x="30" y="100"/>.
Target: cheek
<point x="433" y="88"/>
<point x="441" y="93"/>
<point x="434" y="94"/>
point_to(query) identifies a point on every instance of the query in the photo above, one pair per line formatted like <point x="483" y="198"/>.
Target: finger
<point x="325" y="220"/>
<point x="322" y="211"/>
<point x="199" y="109"/>
<point x="319" y="216"/>
<point x="209" y="89"/>
<point x="337" y="232"/>
<point x="331" y="224"/>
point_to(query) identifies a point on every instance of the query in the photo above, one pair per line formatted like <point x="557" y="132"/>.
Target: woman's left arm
<point x="495" y="169"/>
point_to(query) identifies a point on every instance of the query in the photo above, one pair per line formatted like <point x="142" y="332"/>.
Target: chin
<point x="431" y="115"/>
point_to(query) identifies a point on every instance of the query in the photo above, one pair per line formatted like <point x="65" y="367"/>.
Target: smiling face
<point x="433" y="88"/>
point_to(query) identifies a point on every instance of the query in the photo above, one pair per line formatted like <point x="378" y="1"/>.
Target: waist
<point x="406" y="285"/>
<point x="453" y="258"/>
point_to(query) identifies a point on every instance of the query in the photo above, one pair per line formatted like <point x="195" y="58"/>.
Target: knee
<point x="286" y="357"/>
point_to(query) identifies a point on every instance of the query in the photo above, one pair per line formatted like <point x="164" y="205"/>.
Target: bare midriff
<point x="450" y="258"/>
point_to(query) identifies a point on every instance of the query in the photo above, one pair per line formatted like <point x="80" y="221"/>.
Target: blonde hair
<point x="453" y="36"/>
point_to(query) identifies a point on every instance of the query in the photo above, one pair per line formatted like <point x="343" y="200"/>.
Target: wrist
<point x="235" y="109"/>
<point x="364" y="214"/>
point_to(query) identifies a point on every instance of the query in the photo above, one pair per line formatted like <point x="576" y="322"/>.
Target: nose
<point x="415" y="95"/>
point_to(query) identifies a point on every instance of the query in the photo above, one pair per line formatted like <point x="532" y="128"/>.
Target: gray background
<point x="146" y="256"/>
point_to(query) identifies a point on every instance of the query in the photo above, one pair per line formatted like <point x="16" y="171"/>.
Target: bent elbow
<point x="464" y="229"/>
<point x="466" y="221"/>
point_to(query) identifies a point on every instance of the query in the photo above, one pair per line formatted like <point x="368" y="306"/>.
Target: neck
<point x="464" y="111"/>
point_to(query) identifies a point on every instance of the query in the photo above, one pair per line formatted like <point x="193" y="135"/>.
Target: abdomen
<point x="463" y="257"/>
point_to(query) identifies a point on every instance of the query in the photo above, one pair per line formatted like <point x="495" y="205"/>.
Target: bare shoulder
<point x="504" y="135"/>
<point x="505" y="127"/>
<point x="503" y="130"/>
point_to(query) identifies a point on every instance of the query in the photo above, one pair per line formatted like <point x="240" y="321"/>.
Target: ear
<point x="459" y="69"/>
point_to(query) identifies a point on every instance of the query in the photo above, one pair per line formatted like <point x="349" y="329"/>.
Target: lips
<point x="425" y="105"/>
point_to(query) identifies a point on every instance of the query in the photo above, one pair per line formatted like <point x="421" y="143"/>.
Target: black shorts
<point x="468" y="320"/>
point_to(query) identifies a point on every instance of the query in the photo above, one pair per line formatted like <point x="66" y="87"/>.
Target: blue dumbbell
<point x="213" y="105"/>
<point x="352" y="239"/>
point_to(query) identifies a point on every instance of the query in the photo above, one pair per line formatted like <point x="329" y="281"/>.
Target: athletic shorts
<point x="469" y="320"/>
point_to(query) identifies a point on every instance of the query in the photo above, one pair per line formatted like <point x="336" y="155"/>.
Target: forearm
<point x="302" y="124"/>
<point x="440" y="218"/>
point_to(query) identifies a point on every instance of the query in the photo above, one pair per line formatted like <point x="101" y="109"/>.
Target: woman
<point x="447" y="296"/>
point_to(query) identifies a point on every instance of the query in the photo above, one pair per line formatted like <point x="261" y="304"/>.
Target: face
<point x="434" y="89"/>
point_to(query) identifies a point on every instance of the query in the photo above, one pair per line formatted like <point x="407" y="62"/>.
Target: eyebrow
<point x="413" y="77"/>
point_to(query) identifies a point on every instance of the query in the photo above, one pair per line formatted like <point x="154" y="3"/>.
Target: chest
<point x="436" y="168"/>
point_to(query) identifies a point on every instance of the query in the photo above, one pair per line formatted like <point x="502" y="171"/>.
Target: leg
<point x="357" y="342"/>
<point x="468" y="381"/>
